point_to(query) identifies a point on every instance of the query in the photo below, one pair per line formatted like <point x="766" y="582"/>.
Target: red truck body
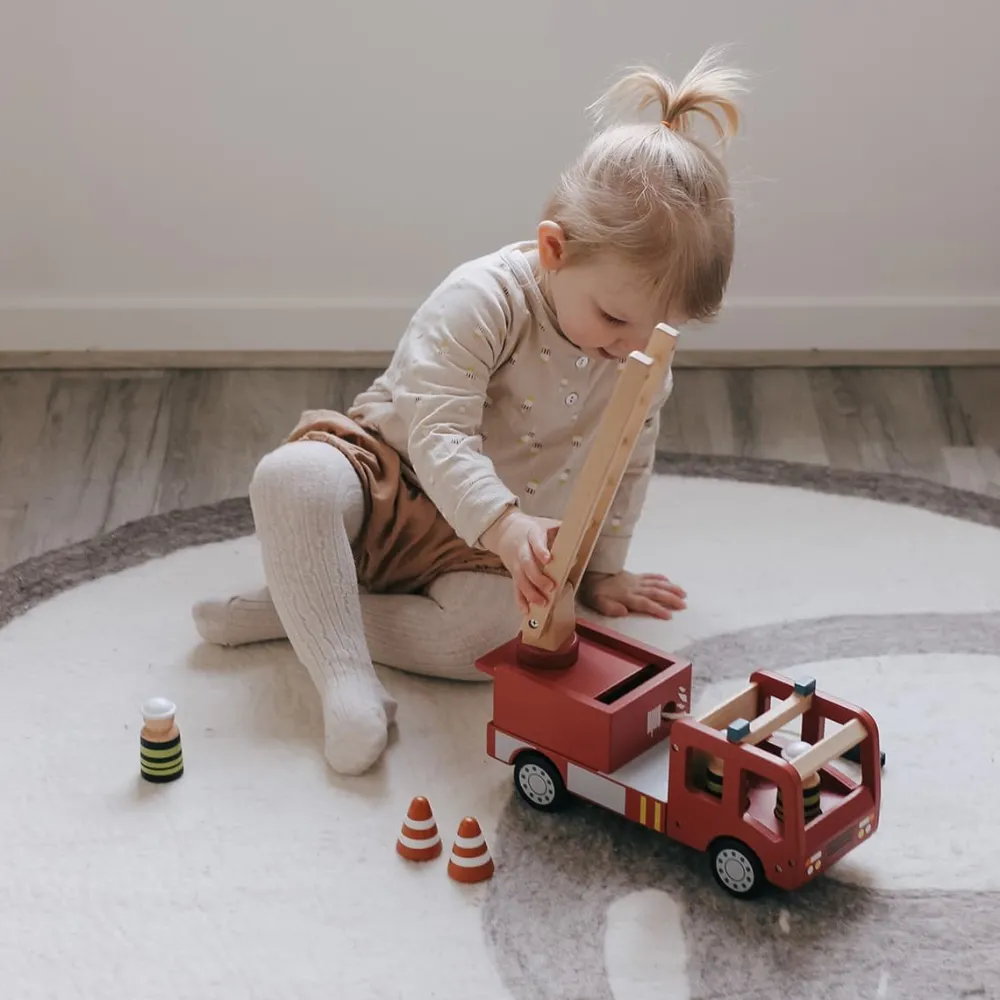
<point x="615" y="729"/>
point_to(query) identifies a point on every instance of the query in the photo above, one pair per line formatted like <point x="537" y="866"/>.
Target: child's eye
<point x="613" y="320"/>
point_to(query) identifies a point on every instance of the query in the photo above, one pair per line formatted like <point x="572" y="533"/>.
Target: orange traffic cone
<point x="470" y="857"/>
<point x="419" y="839"/>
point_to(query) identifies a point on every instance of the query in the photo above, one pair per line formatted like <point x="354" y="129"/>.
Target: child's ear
<point x="551" y="245"/>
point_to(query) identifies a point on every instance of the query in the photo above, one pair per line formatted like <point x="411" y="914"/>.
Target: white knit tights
<point x="308" y="506"/>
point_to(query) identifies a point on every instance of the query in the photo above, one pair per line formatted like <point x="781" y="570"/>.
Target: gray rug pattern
<point x="545" y="920"/>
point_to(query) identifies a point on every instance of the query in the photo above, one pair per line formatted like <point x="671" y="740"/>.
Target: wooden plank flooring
<point x="85" y="451"/>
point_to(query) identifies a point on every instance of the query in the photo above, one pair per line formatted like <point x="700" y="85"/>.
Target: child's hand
<point x="619" y="594"/>
<point x="523" y="544"/>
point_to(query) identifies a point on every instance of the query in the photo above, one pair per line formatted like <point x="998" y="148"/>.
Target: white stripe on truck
<point x="504" y="746"/>
<point x="596" y="788"/>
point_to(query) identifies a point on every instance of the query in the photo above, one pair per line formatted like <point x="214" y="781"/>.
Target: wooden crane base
<point x="551" y="659"/>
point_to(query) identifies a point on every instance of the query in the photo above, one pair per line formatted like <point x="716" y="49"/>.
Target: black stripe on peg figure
<point x="161" y="758"/>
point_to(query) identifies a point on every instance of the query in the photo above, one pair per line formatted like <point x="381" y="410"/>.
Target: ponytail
<point x="709" y="90"/>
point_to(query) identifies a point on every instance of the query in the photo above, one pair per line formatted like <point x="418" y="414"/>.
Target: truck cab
<point x="737" y="792"/>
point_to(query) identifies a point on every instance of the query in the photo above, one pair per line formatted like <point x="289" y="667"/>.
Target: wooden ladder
<point x="552" y="627"/>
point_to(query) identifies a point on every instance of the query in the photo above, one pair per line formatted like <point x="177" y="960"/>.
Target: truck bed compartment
<point x="603" y="711"/>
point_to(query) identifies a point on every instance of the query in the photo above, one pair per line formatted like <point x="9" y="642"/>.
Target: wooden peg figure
<point x="810" y="785"/>
<point x="160" y="756"/>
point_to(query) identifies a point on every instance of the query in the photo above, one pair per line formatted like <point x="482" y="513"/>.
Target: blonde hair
<point x="654" y="194"/>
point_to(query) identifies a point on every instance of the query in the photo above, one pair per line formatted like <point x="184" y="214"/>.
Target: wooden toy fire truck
<point x="583" y="711"/>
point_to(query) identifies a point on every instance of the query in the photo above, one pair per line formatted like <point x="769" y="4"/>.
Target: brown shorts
<point x="405" y="542"/>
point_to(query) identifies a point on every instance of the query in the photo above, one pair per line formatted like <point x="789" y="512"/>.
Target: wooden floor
<point x="83" y="452"/>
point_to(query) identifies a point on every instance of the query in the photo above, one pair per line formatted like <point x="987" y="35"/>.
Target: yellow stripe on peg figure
<point x="714" y="777"/>
<point x="160" y="756"/>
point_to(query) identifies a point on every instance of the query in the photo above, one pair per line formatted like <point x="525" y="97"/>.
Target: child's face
<point x="602" y="306"/>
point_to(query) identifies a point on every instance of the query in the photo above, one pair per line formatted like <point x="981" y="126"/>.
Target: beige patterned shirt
<point x="492" y="406"/>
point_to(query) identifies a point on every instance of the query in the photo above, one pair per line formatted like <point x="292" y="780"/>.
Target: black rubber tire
<point x="539" y="783"/>
<point x="854" y="756"/>
<point x="743" y="876"/>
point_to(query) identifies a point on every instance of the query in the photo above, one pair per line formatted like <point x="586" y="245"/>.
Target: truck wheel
<point x="539" y="782"/>
<point x="736" y="868"/>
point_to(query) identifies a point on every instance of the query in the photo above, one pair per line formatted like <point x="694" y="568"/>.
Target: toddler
<point x="413" y="530"/>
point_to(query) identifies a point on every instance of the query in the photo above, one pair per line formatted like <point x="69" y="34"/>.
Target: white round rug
<point x="261" y="874"/>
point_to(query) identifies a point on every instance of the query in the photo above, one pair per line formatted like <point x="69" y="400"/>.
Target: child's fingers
<point x="522" y="604"/>
<point x="539" y="544"/>
<point x="665" y="595"/>
<point x="533" y="597"/>
<point x="532" y="589"/>
<point x="648" y="606"/>
<point x="670" y="585"/>
<point x="534" y="573"/>
<point x="523" y="599"/>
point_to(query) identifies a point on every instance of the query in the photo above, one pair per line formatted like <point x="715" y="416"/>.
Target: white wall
<point x="234" y="174"/>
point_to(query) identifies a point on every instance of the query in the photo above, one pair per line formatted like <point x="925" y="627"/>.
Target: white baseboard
<point x="201" y="325"/>
<point x="946" y="325"/>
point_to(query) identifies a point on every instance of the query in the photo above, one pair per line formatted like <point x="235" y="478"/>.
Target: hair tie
<point x="667" y="125"/>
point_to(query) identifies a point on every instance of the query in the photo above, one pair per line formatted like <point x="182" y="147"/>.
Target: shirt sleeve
<point x="611" y="549"/>
<point x="455" y="342"/>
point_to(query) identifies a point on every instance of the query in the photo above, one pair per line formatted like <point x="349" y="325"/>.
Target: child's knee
<point x="479" y="606"/>
<point x="272" y="480"/>
<point x="306" y="476"/>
